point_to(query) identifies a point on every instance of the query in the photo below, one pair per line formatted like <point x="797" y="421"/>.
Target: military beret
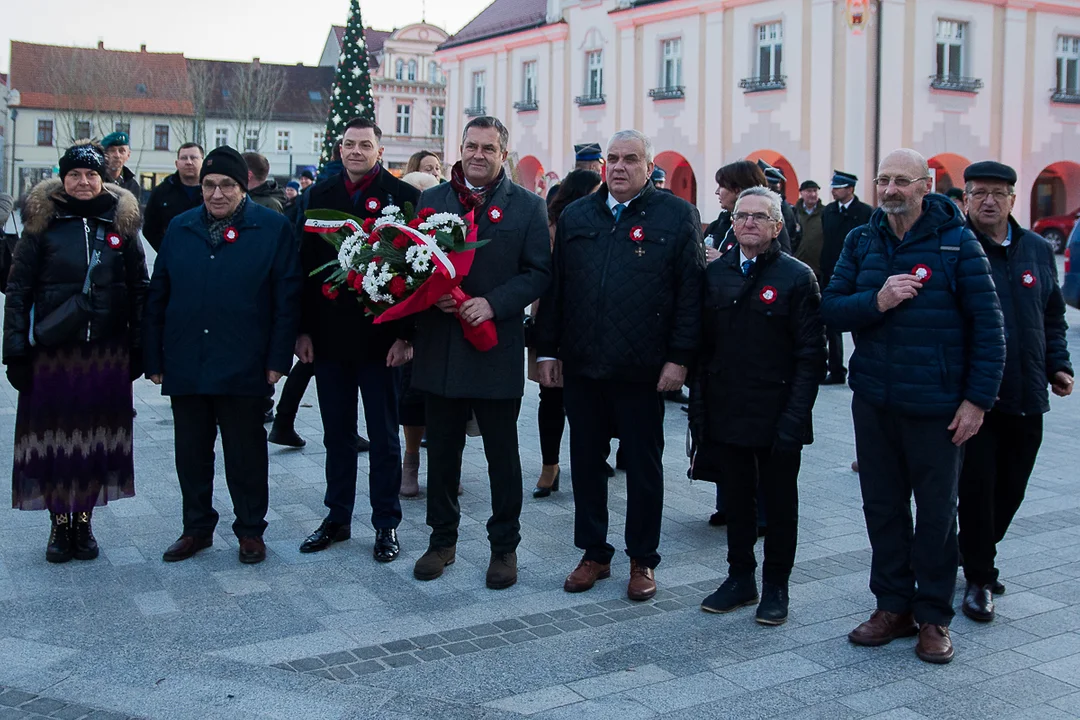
<point x="990" y="170"/>
<point x="809" y="185"/>
<point x="115" y="139"/>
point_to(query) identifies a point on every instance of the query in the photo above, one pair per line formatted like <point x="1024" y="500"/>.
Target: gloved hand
<point x="20" y="374"/>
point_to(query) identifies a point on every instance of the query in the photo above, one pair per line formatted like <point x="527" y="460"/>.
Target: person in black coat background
<point x="507" y="275"/>
<point x="732" y="179"/>
<point x="753" y="396"/>
<point x="354" y="356"/>
<point x="620" y="325"/>
<point x="219" y="331"/>
<point x="175" y="194"/>
<point x="845" y="213"/>
<point x="999" y="459"/>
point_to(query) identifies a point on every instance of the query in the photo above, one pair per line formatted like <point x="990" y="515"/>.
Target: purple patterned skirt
<point x="73" y="430"/>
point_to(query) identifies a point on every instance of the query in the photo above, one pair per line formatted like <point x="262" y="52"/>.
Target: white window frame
<point x="951" y="34"/>
<point x="769" y="38"/>
<point x="88" y="126"/>
<point x="671" y="63"/>
<point x="285" y="135"/>
<point x="411" y="71"/>
<point x="594" y="73"/>
<point x="317" y="139"/>
<point x="1068" y="53"/>
<point x="221" y="136"/>
<point x="399" y="69"/>
<point x="433" y="72"/>
<point x="479" y="89"/>
<point x="252" y="140"/>
<point x="403" y="119"/>
<point x="438" y="120"/>
<point x="529" y="75"/>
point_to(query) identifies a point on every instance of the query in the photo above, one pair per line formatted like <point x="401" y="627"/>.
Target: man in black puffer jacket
<point x="999" y="459"/>
<point x="752" y="398"/>
<point x="916" y="287"/>
<point x="623" y="318"/>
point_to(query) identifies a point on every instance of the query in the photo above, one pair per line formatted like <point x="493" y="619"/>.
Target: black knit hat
<point x="85" y="156"/>
<point x="226" y="161"/>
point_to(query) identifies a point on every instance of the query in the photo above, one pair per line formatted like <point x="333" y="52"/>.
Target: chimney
<point x="100" y="44"/>
<point x="142" y="48"/>
<point x="255" y="63"/>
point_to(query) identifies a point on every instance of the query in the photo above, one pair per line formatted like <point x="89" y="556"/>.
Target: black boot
<point x="59" y="549"/>
<point x="283" y="433"/>
<point x="83" y="544"/>
<point x="773" y="608"/>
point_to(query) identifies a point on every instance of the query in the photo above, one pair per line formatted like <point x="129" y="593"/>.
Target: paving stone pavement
<point x="337" y="635"/>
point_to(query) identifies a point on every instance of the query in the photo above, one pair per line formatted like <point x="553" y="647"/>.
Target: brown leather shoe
<point x="431" y="564"/>
<point x="585" y="576"/>
<point x="935" y="645"/>
<point x="642" y="585"/>
<point x="252" y="550"/>
<point x="187" y="546"/>
<point x="882" y="628"/>
<point x="502" y="570"/>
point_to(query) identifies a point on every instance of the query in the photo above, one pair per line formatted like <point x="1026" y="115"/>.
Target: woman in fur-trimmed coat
<point x="74" y="420"/>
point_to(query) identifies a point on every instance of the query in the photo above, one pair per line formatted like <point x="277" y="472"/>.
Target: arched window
<point x="434" y="76"/>
<point x="399" y="70"/>
<point x="412" y="71"/>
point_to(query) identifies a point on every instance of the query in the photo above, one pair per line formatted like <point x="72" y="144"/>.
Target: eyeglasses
<point x="226" y="188"/>
<point x="743" y="217"/>
<point x="901" y="182"/>
<point x="998" y="196"/>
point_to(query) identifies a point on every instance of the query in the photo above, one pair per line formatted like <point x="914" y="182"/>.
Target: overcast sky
<point x="272" y="30"/>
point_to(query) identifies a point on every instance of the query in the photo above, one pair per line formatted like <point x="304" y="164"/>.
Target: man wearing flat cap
<point x="845" y="213"/>
<point x="808" y="212"/>
<point x="117" y="149"/>
<point x="999" y="459"/>
<point x="218" y="332"/>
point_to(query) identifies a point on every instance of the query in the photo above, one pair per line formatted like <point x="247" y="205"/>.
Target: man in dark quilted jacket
<point x="915" y="287"/>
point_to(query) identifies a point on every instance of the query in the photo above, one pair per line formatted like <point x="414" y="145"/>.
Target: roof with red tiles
<point x="303" y="96"/>
<point x="501" y="17"/>
<point x="99" y="80"/>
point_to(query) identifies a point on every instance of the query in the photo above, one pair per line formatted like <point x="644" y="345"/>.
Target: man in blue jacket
<point x="998" y="461"/>
<point x="219" y="329"/>
<point x="915" y="286"/>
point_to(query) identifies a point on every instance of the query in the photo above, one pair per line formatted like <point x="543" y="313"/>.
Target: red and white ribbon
<point x="421" y="239"/>
<point x="330" y="226"/>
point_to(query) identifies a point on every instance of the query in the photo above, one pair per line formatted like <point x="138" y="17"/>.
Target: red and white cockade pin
<point x="231" y="234"/>
<point x="373" y="205"/>
<point x="115" y="241"/>
<point x="768" y="295"/>
<point x="1028" y="279"/>
<point x="922" y="273"/>
<point x="637" y="233"/>
<point x="495" y="214"/>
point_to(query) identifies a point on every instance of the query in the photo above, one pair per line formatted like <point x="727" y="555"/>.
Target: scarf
<point x="471" y="199"/>
<point x="217" y="228"/>
<point x="355" y="189"/>
<point x="95" y="207"/>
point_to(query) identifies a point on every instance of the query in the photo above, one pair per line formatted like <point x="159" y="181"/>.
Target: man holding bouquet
<point x="352" y="354"/>
<point x="619" y="325"/>
<point x="508" y="273"/>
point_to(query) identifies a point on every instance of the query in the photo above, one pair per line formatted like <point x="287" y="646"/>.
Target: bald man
<point x="915" y="285"/>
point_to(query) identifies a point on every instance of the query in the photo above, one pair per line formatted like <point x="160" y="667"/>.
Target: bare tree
<point x="253" y="93"/>
<point x="200" y="84"/>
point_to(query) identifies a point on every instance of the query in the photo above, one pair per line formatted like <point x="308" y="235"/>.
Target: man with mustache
<point x="915" y="284"/>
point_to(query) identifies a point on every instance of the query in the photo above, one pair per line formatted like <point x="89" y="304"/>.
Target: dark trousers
<point x="293" y="392"/>
<point x="551" y="419"/>
<point x="721" y="503"/>
<point x="446" y="418"/>
<point x="636" y="412"/>
<point x="997" y="464"/>
<point x="748" y="473"/>
<point x="836" y="352"/>
<point x="196" y="419"/>
<point x="340" y="384"/>
<point x="914" y="565"/>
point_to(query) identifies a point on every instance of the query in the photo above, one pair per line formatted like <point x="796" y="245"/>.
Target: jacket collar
<point x="640" y="199"/>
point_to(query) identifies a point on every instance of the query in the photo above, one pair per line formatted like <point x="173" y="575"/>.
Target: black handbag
<point x="62" y="324"/>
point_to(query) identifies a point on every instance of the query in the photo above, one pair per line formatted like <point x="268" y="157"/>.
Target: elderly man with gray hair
<point x="620" y="325"/>
<point x="752" y="398"/>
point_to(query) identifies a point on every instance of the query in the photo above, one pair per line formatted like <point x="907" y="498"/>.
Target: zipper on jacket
<point x="86" y="234"/>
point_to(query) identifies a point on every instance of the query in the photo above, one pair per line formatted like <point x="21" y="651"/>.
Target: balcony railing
<point x="584" y="100"/>
<point x="476" y="111"/>
<point x="763" y="83"/>
<point x="674" y="92"/>
<point x="1071" y="97"/>
<point x="955" y="83"/>
<point x="526" y="106"/>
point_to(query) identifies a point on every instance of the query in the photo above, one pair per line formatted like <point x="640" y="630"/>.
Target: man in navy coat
<point x="219" y="328"/>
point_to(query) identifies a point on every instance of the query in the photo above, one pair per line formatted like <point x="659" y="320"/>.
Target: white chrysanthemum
<point x="391" y="210"/>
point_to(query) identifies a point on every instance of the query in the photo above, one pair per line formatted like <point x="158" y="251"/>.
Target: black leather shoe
<point x="997" y="588"/>
<point x="733" y="594"/>
<point x="773" y="608"/>
<point x="362" y="444"/>
<point x="833" y="379"/>
<point x="326" y="535"/>
<point x="387" y="546"/>
<point x="718" y="519"/>
<point x="281" y="435"/>
<point x="979" y="602"/>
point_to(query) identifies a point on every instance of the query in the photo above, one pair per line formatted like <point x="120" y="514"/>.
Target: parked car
<point x="1070" y="285"/>
<point x="1056" y="228"/>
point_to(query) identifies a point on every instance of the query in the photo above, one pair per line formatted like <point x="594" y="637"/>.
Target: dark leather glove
<point x="136" y="365"/>
<point x="20" y="374"/>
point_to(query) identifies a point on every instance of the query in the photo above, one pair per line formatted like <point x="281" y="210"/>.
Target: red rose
<point x="415" y="223"/>
<point x="401" y="242"/>
<point x="368" y="225"/>
<point x="329" y="291"/>
<point x="357" y="283"/>
<point x="432" y="232"/>
<point x="377" y="260"/>
<point x="426" y="213"/>
<point x="351" y="277"/>
<point x="397" y="286"/>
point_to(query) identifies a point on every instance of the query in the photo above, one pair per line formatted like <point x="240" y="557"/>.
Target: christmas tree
<point x="351" y="94"/>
